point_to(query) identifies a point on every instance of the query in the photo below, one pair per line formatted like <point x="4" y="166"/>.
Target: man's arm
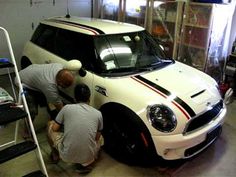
<point x="54" y="109"/>
<point x="55" y="106"/>
<point x="55" y="126"/>
<point x="98" y="135"/>
<point x="100" y="127"/>
<point x="53" y="97"/>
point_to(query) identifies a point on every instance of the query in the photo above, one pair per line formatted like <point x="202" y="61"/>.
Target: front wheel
<point x="126" y="137"/>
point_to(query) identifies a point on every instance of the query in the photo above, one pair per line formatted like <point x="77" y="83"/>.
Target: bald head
<point x="64" y="78"/>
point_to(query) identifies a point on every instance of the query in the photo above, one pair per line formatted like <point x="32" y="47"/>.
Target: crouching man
<point x="79" y="141"/>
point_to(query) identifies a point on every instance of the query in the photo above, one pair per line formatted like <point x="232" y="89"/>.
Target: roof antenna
<point x="68" y="13"/>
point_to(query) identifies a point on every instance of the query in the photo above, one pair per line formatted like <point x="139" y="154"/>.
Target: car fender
<point x="133" y="117"/>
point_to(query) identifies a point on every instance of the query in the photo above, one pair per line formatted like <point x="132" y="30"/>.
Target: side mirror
<point x="75" y="65"/>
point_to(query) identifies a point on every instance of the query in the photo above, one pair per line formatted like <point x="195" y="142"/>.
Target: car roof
<point x="92" y="26"/>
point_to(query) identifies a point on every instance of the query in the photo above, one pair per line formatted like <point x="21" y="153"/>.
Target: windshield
<point x="129" y="52"/>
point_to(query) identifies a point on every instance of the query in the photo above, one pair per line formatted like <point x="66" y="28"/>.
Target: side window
<point x="65" y="45"/>
<point x="73" y="45"/>
<point x="44" y="37"/>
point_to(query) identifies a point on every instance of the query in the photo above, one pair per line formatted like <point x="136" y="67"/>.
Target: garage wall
<point x="21" y="17"/>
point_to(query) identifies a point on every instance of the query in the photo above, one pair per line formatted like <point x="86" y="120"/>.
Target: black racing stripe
<point x="198" y="93"/>
<point x="167" y="93"/>
<point x="161" y="89"/>
<point x="78" y="24"/>
<point x="185" y="106"/>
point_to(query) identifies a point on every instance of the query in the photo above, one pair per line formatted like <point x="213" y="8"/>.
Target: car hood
<point x="188" y="89"/>
<point x="181" y="80"/>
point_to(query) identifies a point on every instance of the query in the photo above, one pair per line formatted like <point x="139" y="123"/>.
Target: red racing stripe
<point x="163" y="95"/>
<point x="78" y="26"/>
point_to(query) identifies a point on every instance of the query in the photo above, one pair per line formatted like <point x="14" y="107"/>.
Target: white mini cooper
<point x="153" y="107"/>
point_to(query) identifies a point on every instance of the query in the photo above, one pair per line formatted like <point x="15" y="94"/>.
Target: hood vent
<point x="196" y="94"/>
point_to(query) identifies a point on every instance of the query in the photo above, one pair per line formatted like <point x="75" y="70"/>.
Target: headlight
<point x="161" y="117"/>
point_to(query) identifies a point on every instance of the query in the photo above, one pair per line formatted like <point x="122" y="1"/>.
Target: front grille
<point x="204" y="118"/>
<point x="211" y="136"/>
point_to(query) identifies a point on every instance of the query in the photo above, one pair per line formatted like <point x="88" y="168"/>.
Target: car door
<point x="71" y="45"/>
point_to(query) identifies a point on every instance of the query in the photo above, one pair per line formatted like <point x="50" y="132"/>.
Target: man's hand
<point x="58" y="106"/>
<point x="53" y="109"/>
<point x="55" y="126"/>
<point x="98" y="135"/>
<point x="55" y="106"/>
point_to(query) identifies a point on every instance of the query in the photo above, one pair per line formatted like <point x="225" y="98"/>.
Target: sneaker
<point x="83" y="169"/>
<point x="54" y="157"/>
<point x="26" y="135"/>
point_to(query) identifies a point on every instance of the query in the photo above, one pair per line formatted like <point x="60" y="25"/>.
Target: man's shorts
<point x="30" y="96"/>
<point x="56" y="137"/>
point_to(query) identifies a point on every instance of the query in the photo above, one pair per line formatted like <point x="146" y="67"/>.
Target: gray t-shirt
<point x="42" y="77"/>
<point x="81" y="123"/>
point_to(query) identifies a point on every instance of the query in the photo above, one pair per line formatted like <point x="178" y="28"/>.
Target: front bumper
<point x="183" y="146"/>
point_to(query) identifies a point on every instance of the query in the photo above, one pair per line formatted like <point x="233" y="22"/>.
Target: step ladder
<point x="9" y="112"/>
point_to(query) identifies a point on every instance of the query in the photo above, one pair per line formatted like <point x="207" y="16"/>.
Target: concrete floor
<point x="218" y="160"/>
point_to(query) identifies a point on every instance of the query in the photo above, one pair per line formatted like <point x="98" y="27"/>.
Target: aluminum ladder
<point x="15" y="111"/>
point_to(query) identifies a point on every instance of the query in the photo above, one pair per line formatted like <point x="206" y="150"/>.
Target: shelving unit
<point x="13" y="111"/>
<point x="166" y="22"/>
<point x="195" y="35"/>
<point x="203" y="36"/>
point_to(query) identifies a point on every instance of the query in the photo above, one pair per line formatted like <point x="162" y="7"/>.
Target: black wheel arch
<point x="149" y="152"/>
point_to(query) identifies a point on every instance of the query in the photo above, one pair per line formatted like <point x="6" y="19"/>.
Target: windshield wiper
<point x="118" y="70"/>
<point x="156" y="65"/>
<point x="149" y="67"/>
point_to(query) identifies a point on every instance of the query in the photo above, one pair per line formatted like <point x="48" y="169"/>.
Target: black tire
<point x="123" y="136"/>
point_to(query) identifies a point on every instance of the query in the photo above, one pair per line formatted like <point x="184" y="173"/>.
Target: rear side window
<point x="73" y="45"/>
<point x="67" y="45"/>
<point x="44" y="37"/>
